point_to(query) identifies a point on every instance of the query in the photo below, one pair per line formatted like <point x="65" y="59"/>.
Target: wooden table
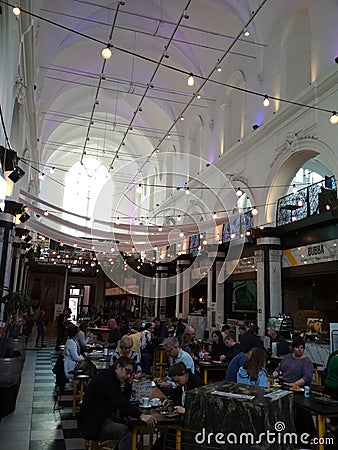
<point x="321" y="411"/>
<point x="163" y="423"/>
<point x="210" y="366"/>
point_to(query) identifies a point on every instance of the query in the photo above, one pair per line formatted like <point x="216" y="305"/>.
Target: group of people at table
<point x="247" y="363"/>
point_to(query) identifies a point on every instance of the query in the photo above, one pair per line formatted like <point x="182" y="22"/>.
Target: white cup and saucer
<point x="145" y="402"/>
<point x="155" y="401"/>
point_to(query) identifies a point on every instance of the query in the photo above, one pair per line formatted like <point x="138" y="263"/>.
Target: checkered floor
<point x="33" y="425"/>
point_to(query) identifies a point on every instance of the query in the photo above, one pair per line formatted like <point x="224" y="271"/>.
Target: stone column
<point x="269" y="279"/>
<point x="215" y="300"/>
<point x="161" y="290"/>
<point x="182" y="287"/>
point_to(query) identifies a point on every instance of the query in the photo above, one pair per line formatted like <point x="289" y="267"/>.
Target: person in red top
<point x="41" y="323"/>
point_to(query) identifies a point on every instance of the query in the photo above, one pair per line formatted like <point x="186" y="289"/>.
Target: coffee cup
<point x="156" y="401"/>
<point x="145" y="402"/>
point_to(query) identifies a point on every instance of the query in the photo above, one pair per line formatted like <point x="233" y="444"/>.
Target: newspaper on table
<point x="233" y="395"/>
<point x="275" y="395"/>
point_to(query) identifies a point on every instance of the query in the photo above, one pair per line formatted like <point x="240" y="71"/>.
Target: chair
<point x="94" y="445"/>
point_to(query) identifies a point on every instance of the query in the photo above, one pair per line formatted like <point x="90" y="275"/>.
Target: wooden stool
<point x="94" y="445"/>
<point x="80" y="380"/>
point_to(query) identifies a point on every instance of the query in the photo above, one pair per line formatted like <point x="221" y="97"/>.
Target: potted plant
<point x="12" y="348"/>
<point x="17" y="304"/>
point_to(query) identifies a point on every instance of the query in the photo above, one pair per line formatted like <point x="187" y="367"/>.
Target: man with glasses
<point x="105" y="394"/>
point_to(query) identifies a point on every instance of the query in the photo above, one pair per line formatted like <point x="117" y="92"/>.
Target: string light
<point x="117" y="221"/>
<point x="214" y="216"/>
<point x="16" y="11"/>
<point x="334" y="118"/>
<point x="239" y="192"/>
<point x="266" y="101"/>
<point x="52" y="170"/>
<point x="187" y="191"/>
<point x="191" y="80"/>
<point x="139" y="189"/>
<point x="246" y="32"/>
<point x="254" y="211"/>
<point x="106" y="52"/>
<point x="41" y="176"/>
<point x="294" y="189"/>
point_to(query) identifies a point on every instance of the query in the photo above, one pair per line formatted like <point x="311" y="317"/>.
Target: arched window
<point x="83" y="184"/>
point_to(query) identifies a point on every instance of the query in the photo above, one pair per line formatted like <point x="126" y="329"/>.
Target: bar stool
<point x="94" y="445"/>
<point x="80" y="380"/>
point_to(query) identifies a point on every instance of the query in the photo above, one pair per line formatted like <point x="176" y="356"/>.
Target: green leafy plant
<point x="16" y="303"/>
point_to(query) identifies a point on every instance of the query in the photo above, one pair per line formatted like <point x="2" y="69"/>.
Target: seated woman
<point x="253" y="370"/>
<point x="84" y="337"/>
<point x="126" y="345"/>
<point x="218" y="345"/>
<point x="297" y="370"/>
<point x="73" y="360"/>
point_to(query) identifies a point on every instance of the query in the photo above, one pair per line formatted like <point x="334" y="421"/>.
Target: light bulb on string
<point x="214" y="216"/>
<point x="294" y="189"/>
<point x="179" y="218"/>
<point x="139" y="189"/>
<point x="117" y="221"/>
<point x="16" y="11"/>
<point x="334" y="118"/>
<point x="52" y="170"/>
<point x="246" y="32"/>
<point x="191" y="80"/>
<point x="239" y="192"/>
<point x="254" y="211"/>
<point x="106" y="52"/>
<point x="266" y="101"/>
<point x="187" y="191"/>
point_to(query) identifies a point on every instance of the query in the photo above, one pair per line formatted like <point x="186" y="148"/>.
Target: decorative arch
<point x="281" y="178"/>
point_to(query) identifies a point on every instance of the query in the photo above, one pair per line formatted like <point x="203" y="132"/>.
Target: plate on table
<point x="145" y="407"/>
<point x="296" y="389"/>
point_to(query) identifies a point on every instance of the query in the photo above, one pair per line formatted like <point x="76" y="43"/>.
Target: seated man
<point x="104" y="395"/>
<point x="176" y="354"/>
<point x="232" y="348"/>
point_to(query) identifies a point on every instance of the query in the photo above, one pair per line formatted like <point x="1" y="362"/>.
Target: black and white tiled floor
<point x="33" y="425"/>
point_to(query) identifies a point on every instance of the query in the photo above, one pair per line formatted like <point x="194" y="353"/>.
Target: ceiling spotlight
<point x="24" y="217"/>
<point x="191" y="80"/>
<point x="266" y="101"/>
<point x="239" y="192"/>
<point x="16" y="175"/>
<point x="106" y="52"/>
<point x="185" y="14"/>
<point x="246" y="32"/>
<point x="334" y="118"/>
<point x="16" y="11"/>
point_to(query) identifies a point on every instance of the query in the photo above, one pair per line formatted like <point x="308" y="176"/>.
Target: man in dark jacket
<point x="103" y="396"/>
<point x="251" y="339"/>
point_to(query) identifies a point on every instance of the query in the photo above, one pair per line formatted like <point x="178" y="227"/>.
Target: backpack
<point x="59" y="371"/>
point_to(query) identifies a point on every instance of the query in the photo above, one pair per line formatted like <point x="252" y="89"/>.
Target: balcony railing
<point x="306" y="202"/>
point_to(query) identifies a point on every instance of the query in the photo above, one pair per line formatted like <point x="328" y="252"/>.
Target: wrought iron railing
<point x="306" y="202"/>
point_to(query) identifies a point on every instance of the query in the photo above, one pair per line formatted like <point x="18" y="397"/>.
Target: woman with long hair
<point x="218" y="345"/>
<point x="253" y="370"/>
